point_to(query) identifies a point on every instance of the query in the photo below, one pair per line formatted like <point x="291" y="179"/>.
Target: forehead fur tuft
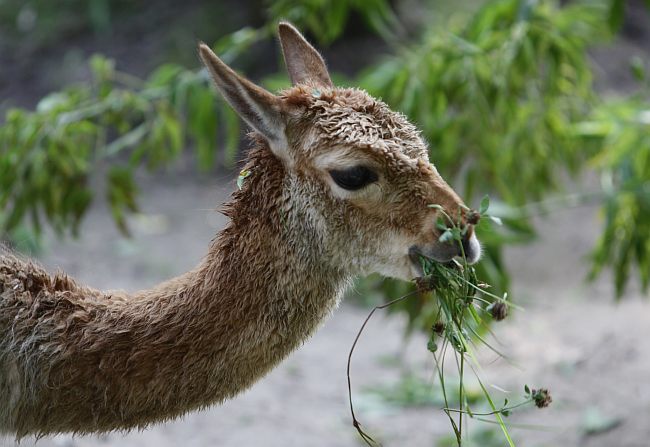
<point x="352" y="117"/>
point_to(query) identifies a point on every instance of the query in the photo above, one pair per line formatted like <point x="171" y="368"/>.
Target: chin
<point x="406" y="271"/>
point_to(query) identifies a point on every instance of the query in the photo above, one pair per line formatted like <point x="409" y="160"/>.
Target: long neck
<point x="113" y="361"/>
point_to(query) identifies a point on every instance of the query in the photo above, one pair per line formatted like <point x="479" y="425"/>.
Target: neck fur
<point x="75" y="359"/>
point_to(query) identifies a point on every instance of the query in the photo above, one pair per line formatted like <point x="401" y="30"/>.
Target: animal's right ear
<point x="262" y="110"/>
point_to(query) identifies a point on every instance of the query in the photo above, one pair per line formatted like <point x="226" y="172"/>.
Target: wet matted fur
<point x="75" y="359"/>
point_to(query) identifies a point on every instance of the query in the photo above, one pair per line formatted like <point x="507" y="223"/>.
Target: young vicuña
<point x="339" y="186"/>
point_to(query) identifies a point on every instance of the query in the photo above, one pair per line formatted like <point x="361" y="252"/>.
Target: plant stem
<point x="355" y="422"/>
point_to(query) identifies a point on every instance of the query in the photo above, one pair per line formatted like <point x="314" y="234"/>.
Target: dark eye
<point x="354" y="178"/>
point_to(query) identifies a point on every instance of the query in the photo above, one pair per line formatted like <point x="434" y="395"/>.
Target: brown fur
<point x="91" y="361"/>
<point x="74" y="359"/>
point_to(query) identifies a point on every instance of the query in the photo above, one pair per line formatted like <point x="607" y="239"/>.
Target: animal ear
<point x="304" y="63"/>
<point x="262" y="110"/>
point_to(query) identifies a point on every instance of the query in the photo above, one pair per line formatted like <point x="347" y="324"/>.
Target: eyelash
<point x="353" y="178"/>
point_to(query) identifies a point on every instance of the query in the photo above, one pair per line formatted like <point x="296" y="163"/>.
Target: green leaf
<point x="485" y="204"/>
<point x="127" y="140"/>
<point x="441" y="224"/>
<point x="232" y="45"/>
<point x="242" y="176"/>
<point x="100" y="15"/>
<point x="51" y="102"/>
<point x="616" y="14"/>
<point x="447" y="236"/>
<point x="164" y="75"/>
<point x="638" y="68"/>
<point x="102" y="67"/>
<point x="202" y="123"/>
<point x="121" y="193"/>
<point x="496" y="220"/>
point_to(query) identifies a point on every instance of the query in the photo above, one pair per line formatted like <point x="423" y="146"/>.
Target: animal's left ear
<point x="304" y="63"/>
<point x="262" y="110"/>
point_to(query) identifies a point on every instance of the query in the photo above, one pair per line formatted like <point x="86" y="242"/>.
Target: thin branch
<point x="355" y="422"/>
<point x="491" y="413"/>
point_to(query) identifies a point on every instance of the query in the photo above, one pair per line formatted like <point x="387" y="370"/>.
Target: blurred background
<point x="115" y="153"/>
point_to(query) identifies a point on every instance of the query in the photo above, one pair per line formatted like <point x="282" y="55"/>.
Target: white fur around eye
<point x="340" y="158"/>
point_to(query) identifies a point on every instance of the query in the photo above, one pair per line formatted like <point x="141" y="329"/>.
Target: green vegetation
<point x="461" y="310"/>
<point x="116" y="120"/>
<point x="504" y="97"/>
<point x="44" y="19"/>
<point x="503" y="94"/>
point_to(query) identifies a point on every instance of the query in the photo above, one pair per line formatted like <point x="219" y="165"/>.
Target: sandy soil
<point x="591" y="352"/>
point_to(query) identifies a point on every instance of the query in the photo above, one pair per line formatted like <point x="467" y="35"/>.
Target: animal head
<point x="356" y="175"/>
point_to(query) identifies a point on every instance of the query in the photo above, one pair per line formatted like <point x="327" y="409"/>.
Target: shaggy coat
<point x="75" y="359"/>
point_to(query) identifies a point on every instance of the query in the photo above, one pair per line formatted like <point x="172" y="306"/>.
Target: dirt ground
<point x="591" y="352"/>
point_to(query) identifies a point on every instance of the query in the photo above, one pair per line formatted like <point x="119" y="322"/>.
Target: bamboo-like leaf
<point x="616" y="14"/>
<point x="128" y="140"/>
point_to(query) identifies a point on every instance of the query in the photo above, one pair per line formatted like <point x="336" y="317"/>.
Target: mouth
<point x="443" y="252"/>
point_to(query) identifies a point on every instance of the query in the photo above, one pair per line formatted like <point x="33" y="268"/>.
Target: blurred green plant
<point x="507" y="104"/>
<point x="622" y="128"/>
<point x="616" y="13"/>
<point x="43" y="19"/>
<point x="122" y="122"/>
<point x="480" y="438"/>
<point x="117" y="121"/>
<point x="414" y="391"/>
<point x="498" y="100"/>
<point x="504" y="98"/>
<point x="326" y="19"/>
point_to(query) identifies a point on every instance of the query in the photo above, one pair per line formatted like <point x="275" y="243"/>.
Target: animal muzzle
<point x="468" y="248"/>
